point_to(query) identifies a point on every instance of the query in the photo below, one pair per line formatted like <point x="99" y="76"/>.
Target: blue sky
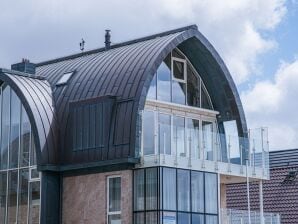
<point x="257" y="39"/>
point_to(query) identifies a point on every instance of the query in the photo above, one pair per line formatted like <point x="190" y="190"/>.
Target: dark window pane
<point x="114" y="194"/>
<point x="3" y="186"/>
<point x="33" y="151"/>
<point x="197" y="191"/>
<point x="148" y="132"/>
<point x="169" y="189"/>
<point x="183" y="190"/>
<point x="183" y="218"/>
<point x="5" y="130"/>
<point x="193" y="88"/>
<point x="151" y="218"/>
<point x="178" y="92"/>
<point x="197" y="219"/>
<point x="23" y="196"/>
<point x="152" y="89"/>
<point x="25" y="139"/>
<point x="34" y="202"/>
<point x="139" y="218"/>
<point x="178" y="70"/>
<point x="206" y="104"/>
<point x="139" y="187"/>
<point x="92" y="134"/>
<point x="211" y="193"/>
<point x="179" y="136"/>
<point x="164" y="126"/>
<point x="151" y="189"/>
<point x="12" y="196"/>
<point x="164" y="81"/>
<point x="177" y="54"/>
<point x="211" y="219"/>
<point x="193" y="138"/>
<point x="86" y="124"/>
<point x="79" y="130"/>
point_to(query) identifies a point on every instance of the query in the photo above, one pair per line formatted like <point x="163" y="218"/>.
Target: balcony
<point x="230" y="216"/>
<point x="192" y="144"/>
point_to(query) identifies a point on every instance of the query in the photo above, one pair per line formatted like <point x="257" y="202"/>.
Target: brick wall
<point x="84" y="198"/>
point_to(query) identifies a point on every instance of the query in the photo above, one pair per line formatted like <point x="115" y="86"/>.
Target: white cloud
<point x="274" y="104"/>
<point x="45" y="29"/>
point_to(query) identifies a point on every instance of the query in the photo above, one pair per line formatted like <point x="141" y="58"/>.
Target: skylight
<point x="64" y="79"/>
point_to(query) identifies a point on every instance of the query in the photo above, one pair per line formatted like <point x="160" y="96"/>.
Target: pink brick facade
<point x="85" y="198"/>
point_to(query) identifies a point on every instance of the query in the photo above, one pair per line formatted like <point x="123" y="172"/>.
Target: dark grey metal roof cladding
<point x="283" y="158"/>
<point x="124" y="72"/>
<point x="36" y="96"/>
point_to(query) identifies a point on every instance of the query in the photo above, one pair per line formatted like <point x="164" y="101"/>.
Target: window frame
<point x="108" y="197"/>
<point x="184" y="80"/>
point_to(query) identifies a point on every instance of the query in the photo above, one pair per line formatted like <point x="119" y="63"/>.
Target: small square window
<point x="64" y="79"/>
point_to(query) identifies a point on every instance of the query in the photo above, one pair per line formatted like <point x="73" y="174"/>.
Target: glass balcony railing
<point x="179" y="140"/>
<point x="231" y="216"/>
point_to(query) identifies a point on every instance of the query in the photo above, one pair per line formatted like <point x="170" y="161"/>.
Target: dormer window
<point x="64" y="79"/>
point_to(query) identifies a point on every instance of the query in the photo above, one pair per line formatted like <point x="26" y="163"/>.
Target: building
<point x="280" y="193"/>
<point x="145" y="131"/>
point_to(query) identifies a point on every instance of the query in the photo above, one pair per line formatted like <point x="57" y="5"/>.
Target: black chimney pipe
<point x="108" y="39"/>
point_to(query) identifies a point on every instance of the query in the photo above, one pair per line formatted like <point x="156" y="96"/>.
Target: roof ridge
<point x="27" y="75"/>
<point x="125" y="43"/>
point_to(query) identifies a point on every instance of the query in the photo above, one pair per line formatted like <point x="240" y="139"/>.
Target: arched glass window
<point x="178" y="82"/>
<point x="19" y="179"/>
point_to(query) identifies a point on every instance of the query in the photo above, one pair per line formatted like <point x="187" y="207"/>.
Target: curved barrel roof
<point x="124" y="73"/>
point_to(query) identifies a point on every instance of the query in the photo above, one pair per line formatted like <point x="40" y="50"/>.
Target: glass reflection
<point x="193" y="88"/>
<point x="169" y="189"/>
<point x="17" y="154"/>
<point x="153" y="88"/>
<point x="164" y="126"/>
<point x="15" y="111"/>
<point x="207" y="128"/>
<point x="12" y="196"/>
<point x="211" y="193"/>
<point x="148" y="133"/>
<point x="5" y="126"/>
<point x="3" y="184"/>
<point x="193" y="144"/>
<point x="178" y="92"/>
<point x="179" y="136"/>
<point x="183" y="190"/>
<point x="164" y="81"/>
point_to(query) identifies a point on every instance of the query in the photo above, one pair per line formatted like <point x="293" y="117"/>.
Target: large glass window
<point x="211" y="193"/>
<point x="114" y="200"/>
<point x="148" y="133"/>
<point x="169" y="189"/>
<point x="183" y="190"/>
<point x="177" y="81"/>
<point x="151" y="189"/>
<point x="19" y="191"/>
<point x="185" y="196"/>
<point x="197" y="191"/>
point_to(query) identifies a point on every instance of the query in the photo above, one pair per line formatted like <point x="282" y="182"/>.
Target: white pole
<point x="247" y="188"/>
<point x="261" y="201"/>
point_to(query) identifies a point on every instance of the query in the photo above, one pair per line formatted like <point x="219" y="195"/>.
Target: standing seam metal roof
<point x="125" y="71"/>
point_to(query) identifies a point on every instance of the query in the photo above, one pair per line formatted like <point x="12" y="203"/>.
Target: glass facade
<point x="178" y="136"/>
<point x="19" y="179"/>
<point x="178" y="82"/>
<point x="168" y="195"/>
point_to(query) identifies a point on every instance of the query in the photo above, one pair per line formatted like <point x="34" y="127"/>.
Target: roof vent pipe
<point x="108" y="39"/>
